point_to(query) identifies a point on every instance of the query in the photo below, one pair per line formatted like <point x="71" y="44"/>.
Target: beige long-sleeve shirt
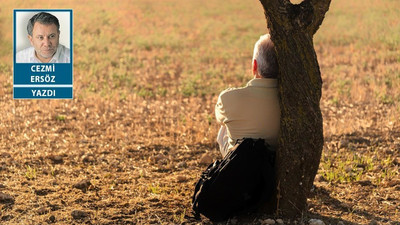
<point x="250" y="112"/>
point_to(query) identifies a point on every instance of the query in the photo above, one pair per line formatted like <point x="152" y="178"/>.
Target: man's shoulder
<point x="24" y="55"/>
<point x="64" y="50"/>
<point x="231" y="92"/>
<point x="25" y="51"/>
<point x="63" y="55"/>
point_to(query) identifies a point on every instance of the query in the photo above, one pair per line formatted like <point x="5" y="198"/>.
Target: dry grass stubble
<point x="127" y="149"/>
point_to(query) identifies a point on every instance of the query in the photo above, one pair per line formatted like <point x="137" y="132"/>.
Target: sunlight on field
<point x="146" y="77"/>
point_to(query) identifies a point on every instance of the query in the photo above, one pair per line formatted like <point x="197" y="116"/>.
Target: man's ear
<point x="30" y="39"/>
<point x="255" y="67"/>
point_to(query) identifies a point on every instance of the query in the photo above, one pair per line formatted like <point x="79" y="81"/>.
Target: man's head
<point x="44" y="34"/>
<point x="265" y="64"/>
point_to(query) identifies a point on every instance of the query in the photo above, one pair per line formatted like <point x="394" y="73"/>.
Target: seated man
<point x="252" y="111"/>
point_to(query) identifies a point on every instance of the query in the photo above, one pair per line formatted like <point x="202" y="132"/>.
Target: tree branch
<point x="276" y="13"/>
<point x="306" y="16"/>
<point x="320" y="9"/>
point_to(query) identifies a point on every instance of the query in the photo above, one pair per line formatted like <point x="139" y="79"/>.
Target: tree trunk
<point x="301" y="136"/>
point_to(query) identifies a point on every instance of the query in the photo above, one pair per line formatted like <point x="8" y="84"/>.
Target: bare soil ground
<point x="130" y="146"/>
<point x="70" y="162"/>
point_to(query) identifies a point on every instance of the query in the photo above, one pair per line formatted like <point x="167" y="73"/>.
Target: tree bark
<point x="301" y="136"/>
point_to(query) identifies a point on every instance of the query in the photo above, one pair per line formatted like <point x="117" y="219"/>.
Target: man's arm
<point x="220" y="113"/>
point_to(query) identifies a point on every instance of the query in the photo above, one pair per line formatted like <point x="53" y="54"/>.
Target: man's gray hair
<point x="264" y="54"/>
<point x="43" y="18"/>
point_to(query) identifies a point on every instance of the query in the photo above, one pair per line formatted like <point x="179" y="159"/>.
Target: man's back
<point x="250" y="112"/>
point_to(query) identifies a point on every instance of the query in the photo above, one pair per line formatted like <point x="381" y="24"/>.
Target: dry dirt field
<point x="130" y="146"/>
